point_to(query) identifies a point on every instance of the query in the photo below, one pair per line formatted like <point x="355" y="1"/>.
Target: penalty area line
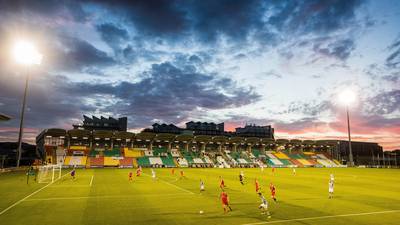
<point x="106" y="197"/>
<point x="26" y="197"/>
<point x="324" y="217"/>
<point x="91" y="181"/>
<point x="171" y="184"/>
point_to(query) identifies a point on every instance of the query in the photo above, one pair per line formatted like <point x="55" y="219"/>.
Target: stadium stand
<point x="134" y="152"/>
<point x="281" y="155"/>
<point x="182" y="162"/>
<point x="168" y="161"/>
<point x="96" y="161"/>
<point x="155" y="161"/>
<point x="112" y="153"/>
<point x="175" y="153"/>
<point x="158" y="151"/>
<point x="275" y="162"/>
<point x="148" y="153"/>
<point x="222" y="163"/>
<point x="79" y="161"/>
<point x="111" y="161"/>
<point x="143" y="161"/>
<point x="126" y="162"/>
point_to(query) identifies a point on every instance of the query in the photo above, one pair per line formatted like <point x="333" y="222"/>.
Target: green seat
<point x="286" y="162"/>
<point x="168" y="161"/>
<point x="256" y="152"/>
<point x="112" y="153"/>
<point x="143" y="161"/>
<point x="158" y="150"/>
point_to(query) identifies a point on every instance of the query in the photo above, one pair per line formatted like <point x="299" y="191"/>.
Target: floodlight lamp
<point x="347" y="97"/>
<point x="25" y="53"/>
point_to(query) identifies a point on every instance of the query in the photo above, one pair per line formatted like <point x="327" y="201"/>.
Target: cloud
<point x="64" y="9"/>
<point x="240" y="21"/>
<point x="233" y="19"/>
<point x="318" y="17"/>
<point x="113" y="35"/>
<point x="310" y="109"/>
<point x="393" y="59"/>
<point x="75" y="54"/>
<point x="151" y="17"/>
<point x="340" y="49"/>
<point x="170" y="93"/>
<point x="384" y="103"/>
<point x="167" y="92"/>
<point x="48" y="103"/>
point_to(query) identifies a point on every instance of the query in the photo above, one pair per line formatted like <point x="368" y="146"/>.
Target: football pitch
<point x="105" y="196"/>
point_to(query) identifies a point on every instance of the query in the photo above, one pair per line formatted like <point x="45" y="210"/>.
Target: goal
<point x="49" y="173"/>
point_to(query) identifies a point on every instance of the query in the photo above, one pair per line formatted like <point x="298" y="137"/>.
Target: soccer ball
<point x="201" y="212"/>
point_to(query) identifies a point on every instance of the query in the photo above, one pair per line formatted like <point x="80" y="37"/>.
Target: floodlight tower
<point x="26" y="54"/>
<point x="346" y="98"/>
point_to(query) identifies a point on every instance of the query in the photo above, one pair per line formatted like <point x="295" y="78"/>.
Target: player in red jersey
<point x="257" y="185"/>
<point x="222" y="183"/>
<point x="138" y="171"/>
<point x="273" y="191"/>
<point x="182" y="174"/>
<point x="173" y="171"/>
<point x="130" y="175"/>
<point x="273" y="169"/>
<point x="225" y="202"/>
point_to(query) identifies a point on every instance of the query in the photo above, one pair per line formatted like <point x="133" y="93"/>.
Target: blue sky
<point x="265" y="62"/>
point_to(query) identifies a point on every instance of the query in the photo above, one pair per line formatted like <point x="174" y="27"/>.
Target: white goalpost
<point x="49" y="173"/>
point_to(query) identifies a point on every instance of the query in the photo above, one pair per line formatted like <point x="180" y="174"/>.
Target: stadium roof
<point x="4" y="117"/>
<point x="79" y="133"/>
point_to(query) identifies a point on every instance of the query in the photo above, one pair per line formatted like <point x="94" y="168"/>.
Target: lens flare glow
<point x="25" y="53"/>
<point x="347" y="97"/>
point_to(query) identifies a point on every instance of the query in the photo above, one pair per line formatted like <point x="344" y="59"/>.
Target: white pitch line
<point x="91" y="181"/>
<point x="33" y="193"/>
<point x="173" y="185"/>
<point x="103" y="196"/>
<point x="324" y="217"/>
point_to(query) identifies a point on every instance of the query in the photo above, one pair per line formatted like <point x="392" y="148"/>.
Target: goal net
<point x="49" y="173"/>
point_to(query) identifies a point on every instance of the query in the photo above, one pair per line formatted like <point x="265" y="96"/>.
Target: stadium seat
<point x="143" y="161"/>
<point x="296" y="162"/>
<point x="286" y="162"/>
<point x="78" y="147"/>
<point x="281" y="155"/>
<point x="270" y="156"/>
<point x="305" y="162"/>
<point x="111" y="161"/>
<point x="155" y="161"/>
<point x="134" y="153"/>
<point x="182" y="162"/>
<point x="256" y="152"/>
<point x="157" y="151"/>
<point x="112" y="153"/>
<point x="275" y="162"/>
<point x="126" y="162"/>
<point x="75" y="160"/>
<point x="198" y="161"/>
<point x="168" y="161"/>
<point x="96" y="161"/>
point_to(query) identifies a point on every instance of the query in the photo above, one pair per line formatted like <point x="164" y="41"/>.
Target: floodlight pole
<point x="351" y="162"/>
<point x="21" y="124"/>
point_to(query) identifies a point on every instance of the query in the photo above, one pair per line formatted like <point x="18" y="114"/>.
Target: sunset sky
<point x="264" y="62"/>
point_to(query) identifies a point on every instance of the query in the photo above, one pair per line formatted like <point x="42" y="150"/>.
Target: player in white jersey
<point x="201" y="185"/>
<point x="332" y="178"/>
<point x="294" y="171"/>
<point x="331" y="184"/>
<point x="264" y="205"/>
<point x="153" y="174"/>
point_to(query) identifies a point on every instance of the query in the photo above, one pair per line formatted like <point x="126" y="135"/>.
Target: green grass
<point x="112" y="199"/>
